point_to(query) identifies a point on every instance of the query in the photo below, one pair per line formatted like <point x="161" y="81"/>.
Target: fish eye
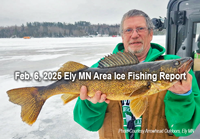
<point x="176" y="63"/>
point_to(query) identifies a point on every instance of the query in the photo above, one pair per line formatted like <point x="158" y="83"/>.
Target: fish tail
<point x="31" y="101"/>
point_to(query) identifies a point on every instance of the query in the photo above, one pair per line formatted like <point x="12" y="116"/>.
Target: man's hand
<point x="183" y="86"/>
<point x="98" y="97"/>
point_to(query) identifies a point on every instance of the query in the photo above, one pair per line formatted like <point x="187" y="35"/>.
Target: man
<point x="177" y="109"/>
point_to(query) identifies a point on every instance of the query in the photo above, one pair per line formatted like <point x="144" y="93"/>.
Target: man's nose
<point x="134" y="34"/>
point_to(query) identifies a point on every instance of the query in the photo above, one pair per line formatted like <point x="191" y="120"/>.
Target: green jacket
<point x="182" y="112"/>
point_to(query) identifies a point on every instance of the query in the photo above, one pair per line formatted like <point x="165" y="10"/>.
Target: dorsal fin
<point x="70" y="66"/>
<point x="119" y="59"/>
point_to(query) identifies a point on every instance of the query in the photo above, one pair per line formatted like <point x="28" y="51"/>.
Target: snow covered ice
<point x="55" y="120"/>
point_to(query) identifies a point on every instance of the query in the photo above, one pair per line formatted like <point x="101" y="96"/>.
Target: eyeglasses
<point x="139" y="30"/>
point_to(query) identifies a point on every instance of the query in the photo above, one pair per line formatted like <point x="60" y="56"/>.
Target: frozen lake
<point x="55" y="120"/>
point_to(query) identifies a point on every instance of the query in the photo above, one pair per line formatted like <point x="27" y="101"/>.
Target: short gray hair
<point x="133" y="13"/>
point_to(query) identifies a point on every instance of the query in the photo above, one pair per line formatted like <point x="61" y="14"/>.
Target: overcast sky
<point x="18" y="12"/>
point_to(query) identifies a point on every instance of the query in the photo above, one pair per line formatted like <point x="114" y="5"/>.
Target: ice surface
<point x="32" y="57"/>
<point x="55" y="120"/>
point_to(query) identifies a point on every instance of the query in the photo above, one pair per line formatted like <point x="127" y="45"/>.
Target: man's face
<point x="136" y="42"/>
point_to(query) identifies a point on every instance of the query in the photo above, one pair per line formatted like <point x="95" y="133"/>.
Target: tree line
<point x="52" y="29"/>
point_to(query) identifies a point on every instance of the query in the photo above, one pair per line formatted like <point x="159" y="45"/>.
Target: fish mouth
<point x="186" y="66"/>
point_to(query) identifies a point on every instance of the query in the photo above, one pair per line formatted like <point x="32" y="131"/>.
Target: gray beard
<point x="134" y="52"/>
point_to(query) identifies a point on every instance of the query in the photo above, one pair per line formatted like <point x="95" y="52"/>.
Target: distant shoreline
<point x="59" y="30"/>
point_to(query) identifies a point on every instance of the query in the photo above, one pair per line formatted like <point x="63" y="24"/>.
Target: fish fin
<point x="140" y="91"/>
<point x="68" y="97"/>
<point x="30" y="100"/>
<point x="119" y="59"/>
<point x="138" y="106"/>
<point x="70" y="66"/>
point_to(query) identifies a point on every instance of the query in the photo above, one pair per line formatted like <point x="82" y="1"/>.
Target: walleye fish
<point x="32" y="99"/>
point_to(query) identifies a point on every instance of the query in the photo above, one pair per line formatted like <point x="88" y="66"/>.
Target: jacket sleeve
<point x="183" y="112"/>
<point x="89" y="115"/>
